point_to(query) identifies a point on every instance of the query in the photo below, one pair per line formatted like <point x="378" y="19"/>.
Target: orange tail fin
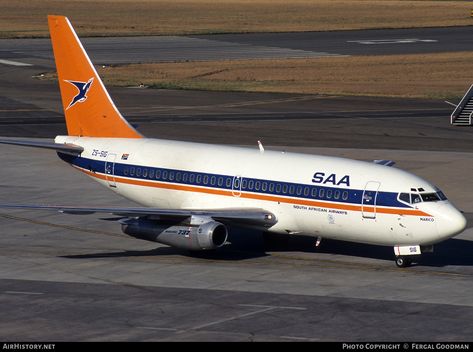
<point x="88" y="108"/>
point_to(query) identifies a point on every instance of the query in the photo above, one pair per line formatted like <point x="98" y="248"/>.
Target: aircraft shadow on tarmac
<point x="246" y="244"/>
<point x="226" y="254"/>
<point x="454" y="251"/>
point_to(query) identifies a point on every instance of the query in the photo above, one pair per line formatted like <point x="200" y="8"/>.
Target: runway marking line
<point x="155" y="328"/>
<point x="227" y="105"/>
<point x="263" y="309"/>
<point x="275" y="307"/>
<point x="23" y="110"/>
<point x="297" y="338"/>
<point x="392" y="41"/>
<point x="14" y="63"/>
<point x="23" y="293"/>
<point x="235" y="317"/>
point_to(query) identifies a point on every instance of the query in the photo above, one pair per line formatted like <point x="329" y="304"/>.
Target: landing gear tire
<point x="403" y="262"/>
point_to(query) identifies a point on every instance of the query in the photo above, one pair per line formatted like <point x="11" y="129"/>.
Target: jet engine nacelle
<point x="209" y="235"/>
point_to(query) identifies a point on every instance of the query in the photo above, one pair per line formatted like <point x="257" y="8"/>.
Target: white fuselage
<point x="312" y="195"/>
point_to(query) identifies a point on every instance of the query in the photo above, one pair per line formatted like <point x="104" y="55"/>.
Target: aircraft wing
<point x="241" y="216"/>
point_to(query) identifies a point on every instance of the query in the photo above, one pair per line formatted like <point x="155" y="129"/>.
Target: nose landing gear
<point x="406" y="255"/>
<point x="403" y="262"/>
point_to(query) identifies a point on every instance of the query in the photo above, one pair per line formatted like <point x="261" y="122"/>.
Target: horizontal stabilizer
<point x="63" y="148"/>
<point x="384" y="162"/>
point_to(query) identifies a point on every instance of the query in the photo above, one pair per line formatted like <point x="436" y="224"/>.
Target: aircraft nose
<point x="450" y="221"/>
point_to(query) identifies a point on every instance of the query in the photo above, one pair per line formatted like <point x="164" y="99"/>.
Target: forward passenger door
<point x="368" y="200"/>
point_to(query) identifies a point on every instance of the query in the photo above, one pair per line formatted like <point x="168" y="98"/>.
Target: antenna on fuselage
<point x="260" y="146"/>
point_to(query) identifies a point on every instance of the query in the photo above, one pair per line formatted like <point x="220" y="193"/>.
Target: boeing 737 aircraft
<point x="193" y="193"/>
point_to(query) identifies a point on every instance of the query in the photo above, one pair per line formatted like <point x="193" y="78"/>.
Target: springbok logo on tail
<point x="83" y="88"/>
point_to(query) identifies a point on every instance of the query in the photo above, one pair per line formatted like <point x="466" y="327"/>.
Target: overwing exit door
<point x="236" y="186"/>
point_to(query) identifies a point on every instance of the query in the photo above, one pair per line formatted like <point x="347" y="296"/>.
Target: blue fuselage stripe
<point x="227" y="182"/>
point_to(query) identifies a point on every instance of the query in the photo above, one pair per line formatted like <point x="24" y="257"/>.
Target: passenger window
<point x="151" y="173"/>
<point x="329" y="193"/>
<point x="321" y="193"/>
<point x="192" y="178"/>
<point x="198" y="179"/>
<point x="132" y="171"/>
<point x="299" y="190"/>
<point x="138" y="171"/>
<point x="314" y="192"/>
<point x="306" y="191"/>
<point x="257" y="185"/>
<point x="336" y="194"/>
<point x="251" y="184"/>
<point x="264" y="187"/>
<point x="292" y="189"/>
<point x="125" y="171"/>
<point x="178" y="176"/>
<point x="213" y="180"/>
<point x="171" y="176"/>
<point x="206" y="180"/>
<point x="158" y="174"/>
<point x="229" y="182"/>
<point x="271" y="187"/>
<point x="278" y="188"/>
<point x="244" y="183"/>
<point x="345" y="195"/>
<point x="284" y="188"/>
<point x="185" y="177"/>
<point x="220" y="181"/>
<point x="165" y="175"/>
<point x="145" y="172"/>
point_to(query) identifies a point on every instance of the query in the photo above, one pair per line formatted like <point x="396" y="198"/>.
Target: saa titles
<point x="320" y="177"/>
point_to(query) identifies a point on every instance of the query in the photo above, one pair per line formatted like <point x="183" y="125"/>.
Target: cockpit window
<point x="414" y="198"/>
<point x="405" y="197"/>
<point x="429" y="197"/>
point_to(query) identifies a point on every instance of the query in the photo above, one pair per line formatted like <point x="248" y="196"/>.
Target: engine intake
<point x="209" y="235"/>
